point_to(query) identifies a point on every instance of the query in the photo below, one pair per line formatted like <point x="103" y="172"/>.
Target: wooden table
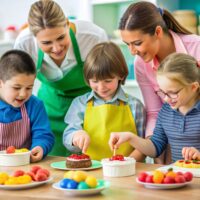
<point x="124" y="188"/>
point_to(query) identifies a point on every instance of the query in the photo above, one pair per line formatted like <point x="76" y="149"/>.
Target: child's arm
<point x="190" y="153"/>
<point x="82" y="140"/>
<point x="139" y="157"/>
<point x="36" y="154"/>
<point x="41" y="133"/>
<point x="75" y="138"/>
<point x="145" y="146"/>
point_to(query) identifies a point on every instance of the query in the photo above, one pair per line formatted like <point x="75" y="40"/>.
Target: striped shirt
<point x="177" y="129"/>
<point x="41" y="134"/>
<point x="75" y="115"/>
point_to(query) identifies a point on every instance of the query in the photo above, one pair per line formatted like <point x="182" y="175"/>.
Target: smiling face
<point x="144" y="45"/>
<point x="105" y="89"/>
<point x="186" y="95"/>
<point x="55" y="42"/>
<point x="17" y="90"/>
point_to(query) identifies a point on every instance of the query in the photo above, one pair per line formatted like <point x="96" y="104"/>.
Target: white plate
<point x="62" y="165"/>
<point x="25" y="186"/>
<point x="162" y="186"/>
<point x="194" y="171"/>
<point x="102" y="184"/>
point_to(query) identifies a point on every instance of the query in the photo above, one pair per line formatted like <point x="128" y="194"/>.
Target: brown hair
<point x="45" y="14"/>
<point x="16" y="62"/>
<point x="105" y="60"/>
<point x="145" y="16"/>
<point x="180" y="67"/>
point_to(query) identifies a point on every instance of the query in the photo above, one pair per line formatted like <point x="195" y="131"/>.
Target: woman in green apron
<point x="93" y="116"/>
<point x="59" y="49"/>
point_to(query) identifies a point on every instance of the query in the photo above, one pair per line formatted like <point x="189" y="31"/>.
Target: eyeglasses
<point x="171" y="95"/>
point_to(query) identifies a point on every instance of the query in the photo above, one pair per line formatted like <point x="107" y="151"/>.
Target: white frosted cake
<point x="121" y="166"/>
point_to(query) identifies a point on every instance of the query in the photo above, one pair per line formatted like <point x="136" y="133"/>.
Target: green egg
<point x="83" y="186"/>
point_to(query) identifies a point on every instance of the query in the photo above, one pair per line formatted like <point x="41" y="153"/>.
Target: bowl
<point x="118" y="168"/>
<point x="14" y="159"/>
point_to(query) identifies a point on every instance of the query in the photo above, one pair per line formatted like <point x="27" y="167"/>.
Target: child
<point x="178" y="124"/>
<point x="93" y="116"/>
<point x="23" y="120"/>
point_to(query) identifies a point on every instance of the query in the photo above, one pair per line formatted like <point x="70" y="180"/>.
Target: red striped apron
<point x="16" y="133"/>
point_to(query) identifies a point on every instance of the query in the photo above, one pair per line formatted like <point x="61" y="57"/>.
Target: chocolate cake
<point x="78" y="161"/>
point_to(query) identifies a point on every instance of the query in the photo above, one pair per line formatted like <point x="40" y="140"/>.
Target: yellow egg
<point x="69" y="174"/>
<point x="79" y="176"/>
<point x="91" y="181"/>
<point x="3" y="177"/>
<point x="24" y="179"/>
<point x="24" y="150"/>
<point x="12" y="181"/>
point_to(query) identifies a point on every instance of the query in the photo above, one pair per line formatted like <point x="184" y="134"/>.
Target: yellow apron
<point x="100" y="121"/>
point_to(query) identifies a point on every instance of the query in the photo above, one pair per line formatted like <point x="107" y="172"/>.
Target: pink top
<point x="145" y="76"/>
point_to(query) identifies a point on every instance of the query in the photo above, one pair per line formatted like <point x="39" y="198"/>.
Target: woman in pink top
<point x="151" y="34"/>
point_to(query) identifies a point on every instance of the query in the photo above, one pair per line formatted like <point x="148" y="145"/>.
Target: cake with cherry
<point x="78" y="161"/>
<point x="188" y="163"/>
<point x="118" y="166"/>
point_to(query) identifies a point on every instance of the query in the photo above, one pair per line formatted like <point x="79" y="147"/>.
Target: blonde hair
<point x="180" y="67"/>
<point x="105" y="60"/>
<point x="45" y="14"/>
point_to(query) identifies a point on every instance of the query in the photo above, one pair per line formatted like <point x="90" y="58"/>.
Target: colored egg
<point x="91" y="181"/>
<point x="72" y="184"/>
<point x="69" y="174"/>
<point x="83" y="186"/>
<point x="79" y="176"/>
<point x="64" y="182"/>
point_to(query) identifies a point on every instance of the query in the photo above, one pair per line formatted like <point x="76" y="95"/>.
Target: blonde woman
<point x="59" y="48"/>
<point x="178" y="124"/>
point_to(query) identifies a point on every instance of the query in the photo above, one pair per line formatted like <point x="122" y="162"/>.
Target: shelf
<point x="94" y="2"/>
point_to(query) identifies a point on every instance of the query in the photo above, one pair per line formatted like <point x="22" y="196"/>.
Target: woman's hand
<point x="117" y="138"/>
<point x="82" y="140"/>
<point x="36" y="154"/>
<point x="190" y="153"/>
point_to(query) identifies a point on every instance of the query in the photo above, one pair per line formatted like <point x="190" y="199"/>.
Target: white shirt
<point x="87" y="35"/>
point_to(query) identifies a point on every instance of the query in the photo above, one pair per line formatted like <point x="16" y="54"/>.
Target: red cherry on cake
<point x="117" y="157"/>
<point x="10" y="149"/>
<point x="79" y="157"/>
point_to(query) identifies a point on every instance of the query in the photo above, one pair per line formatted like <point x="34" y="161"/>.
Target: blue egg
<point x="72" y="184"/>
<point x="83" y="186"/>
<point x="63" y="182"/>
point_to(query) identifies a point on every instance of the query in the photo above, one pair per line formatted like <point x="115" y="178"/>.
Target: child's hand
<point x="190" y="153"/>
<point x="82" y="140"/>
<point x="36" y="154"/>
<point x="117" y="138"/>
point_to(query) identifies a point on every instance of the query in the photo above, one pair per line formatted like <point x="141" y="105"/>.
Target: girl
<point x="178" y="121"/>
<point x="92" y="117"/>
<point x="151" y="34"/>
<point x="59" y="49"/>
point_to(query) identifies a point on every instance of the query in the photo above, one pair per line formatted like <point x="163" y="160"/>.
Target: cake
<point x="78" y="161"/>
<point x="187" y="163"/>
<point x="118" y="166"/>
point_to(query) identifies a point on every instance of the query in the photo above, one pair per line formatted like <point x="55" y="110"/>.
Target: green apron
<point x="57" y="96"/>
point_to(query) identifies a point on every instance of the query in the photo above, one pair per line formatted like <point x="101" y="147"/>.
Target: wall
<point x="15" y="12"/>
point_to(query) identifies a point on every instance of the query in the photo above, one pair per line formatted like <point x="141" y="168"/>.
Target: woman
<point x="59" y="48"/>
<point x="151" y="34"/>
